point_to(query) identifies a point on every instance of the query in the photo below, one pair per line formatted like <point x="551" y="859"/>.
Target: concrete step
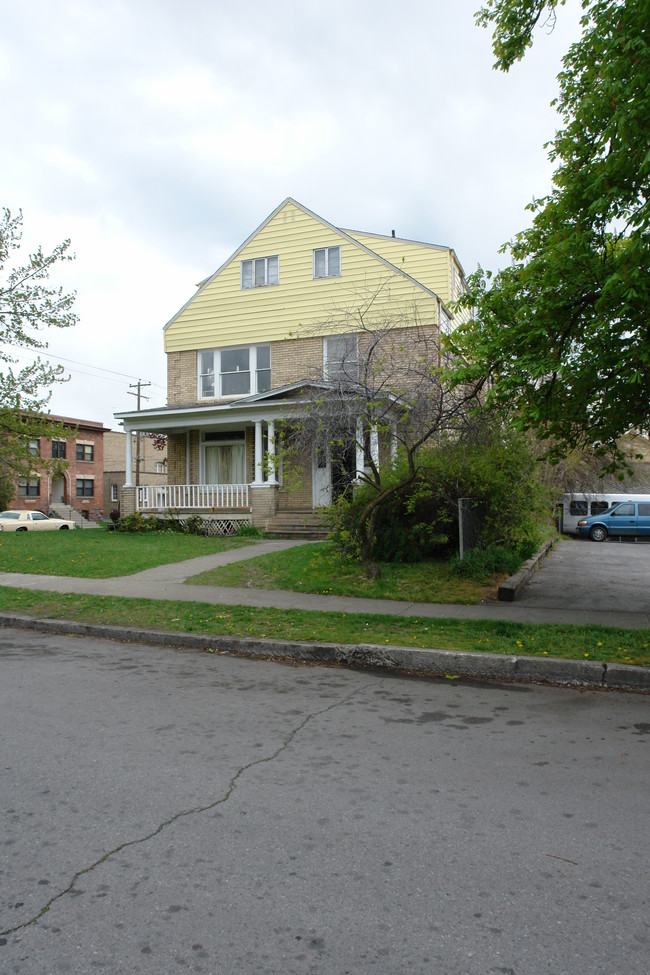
<point x="71" y="514"/>
<point x="297" y="524"/>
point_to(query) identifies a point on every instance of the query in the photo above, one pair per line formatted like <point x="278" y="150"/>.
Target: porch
<point x="193" y="498"/>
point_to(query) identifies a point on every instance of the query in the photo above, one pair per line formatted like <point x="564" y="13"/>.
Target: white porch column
<point x="360" y="462"/>
<point x="273" y="476"/>
<point x="374" y="444"/>
<point x="393" y="442"/>
<point x="259" y="473"/>
<point x="128" y="475"/>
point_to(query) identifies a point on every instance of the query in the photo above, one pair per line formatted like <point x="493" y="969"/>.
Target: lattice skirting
<point x="222" y="525"/>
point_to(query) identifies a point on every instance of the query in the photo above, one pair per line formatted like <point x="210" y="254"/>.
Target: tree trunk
<point x="367" y="530"/>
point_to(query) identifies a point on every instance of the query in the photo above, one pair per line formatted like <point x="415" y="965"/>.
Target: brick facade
<point x="291" y="361"/>
<point x="80" y="486"/>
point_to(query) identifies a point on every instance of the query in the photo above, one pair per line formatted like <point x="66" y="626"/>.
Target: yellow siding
<point x="428" y="264"/>
<point x="221" y="314"/>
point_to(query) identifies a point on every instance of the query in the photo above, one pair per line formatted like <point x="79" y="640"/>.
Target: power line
<point x="50" y="355"/>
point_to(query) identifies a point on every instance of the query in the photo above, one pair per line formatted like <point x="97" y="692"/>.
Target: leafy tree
<point x="28" y="306"/>
<point x="386" y="396"/>
<point x="490" y="465"/>
<point x="562" y="335"/>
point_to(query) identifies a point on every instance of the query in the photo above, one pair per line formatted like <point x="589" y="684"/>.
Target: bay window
<point x="234" y="372"/>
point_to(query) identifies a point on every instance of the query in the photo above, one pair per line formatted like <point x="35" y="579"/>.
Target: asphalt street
<point x="168" y="812"/>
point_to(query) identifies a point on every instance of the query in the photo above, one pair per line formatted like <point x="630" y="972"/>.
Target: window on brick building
<point x="234" y="372"/>
<point x="341" y="358"/>
<point x="29" y="487"/>
<point x="59" y="449"/>
<point x="85" y="487"/>
<point x="85" y="451"/>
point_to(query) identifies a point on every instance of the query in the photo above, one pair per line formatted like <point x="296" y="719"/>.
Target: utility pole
<point x="139" y="386"/>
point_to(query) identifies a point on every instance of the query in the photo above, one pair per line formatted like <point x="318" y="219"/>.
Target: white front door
<point x="321" y="477"/>
<point x="58" y="490"/>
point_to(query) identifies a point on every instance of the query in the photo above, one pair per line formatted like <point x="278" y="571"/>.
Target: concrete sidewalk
<point x="168" y="582"/>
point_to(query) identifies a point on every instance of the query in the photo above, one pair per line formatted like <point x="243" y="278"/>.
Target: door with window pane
<point x="225" y="463"/>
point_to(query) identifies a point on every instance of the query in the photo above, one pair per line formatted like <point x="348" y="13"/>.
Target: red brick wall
<point x="49" y="488"/>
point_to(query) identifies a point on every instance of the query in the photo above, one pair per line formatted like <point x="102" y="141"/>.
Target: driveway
<point x="167" y="812"/>
<point x="592" y="579"/>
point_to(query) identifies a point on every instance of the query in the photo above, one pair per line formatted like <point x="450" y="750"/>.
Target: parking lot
<point x="593" y="578"/>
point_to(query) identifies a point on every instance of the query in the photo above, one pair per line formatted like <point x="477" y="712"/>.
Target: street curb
<point x="510" y="589"/>
<point x="401" y="660"/>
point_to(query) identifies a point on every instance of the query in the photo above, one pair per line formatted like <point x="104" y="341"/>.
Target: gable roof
<point x="343" y="234"/>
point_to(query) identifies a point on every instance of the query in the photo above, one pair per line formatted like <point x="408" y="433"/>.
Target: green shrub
<point x="246" y="530"/>
<point x="492" y="466"/>
<point x="138" y="523"/>
<point x="481" y="563"/>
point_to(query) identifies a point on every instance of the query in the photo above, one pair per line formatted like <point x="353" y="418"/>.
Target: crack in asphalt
<point x="194" y="811"/>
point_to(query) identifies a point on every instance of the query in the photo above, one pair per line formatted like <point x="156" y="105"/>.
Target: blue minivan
<point x="628" y="518"/>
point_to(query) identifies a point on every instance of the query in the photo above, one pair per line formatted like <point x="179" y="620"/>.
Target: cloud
<point x="158" y="136"/>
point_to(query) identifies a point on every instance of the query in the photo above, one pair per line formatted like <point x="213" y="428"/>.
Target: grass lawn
<point x="318" y="568"/>
<point x="98" y="554"/>
<point x="573" y="642"/>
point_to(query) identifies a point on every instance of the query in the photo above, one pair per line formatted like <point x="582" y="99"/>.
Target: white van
<point x="575" y="507"/>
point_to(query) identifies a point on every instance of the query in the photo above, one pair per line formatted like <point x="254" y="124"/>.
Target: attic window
<point x="327" y="262"/>
<point x="260" y="272"/>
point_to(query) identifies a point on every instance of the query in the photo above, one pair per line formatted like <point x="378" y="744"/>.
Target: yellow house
<point x="274" y="321"/>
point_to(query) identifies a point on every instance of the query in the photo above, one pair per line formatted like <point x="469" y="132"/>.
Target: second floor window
<point x="260" y="272"/>
<point x="327" y="262"/>
<point x="341" y="358"/>
<point x="85" y="451"/>
<point x="234" y="372"/>
<point x="58" y="449"/>
<point x="35" y="448"/>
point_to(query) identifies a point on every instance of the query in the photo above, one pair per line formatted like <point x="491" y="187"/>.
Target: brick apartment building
<point x="79" y="489"/>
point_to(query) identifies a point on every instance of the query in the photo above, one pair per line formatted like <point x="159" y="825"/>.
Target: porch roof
<point x="272" y="405"/>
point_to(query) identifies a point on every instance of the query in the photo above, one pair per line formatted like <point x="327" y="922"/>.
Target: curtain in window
<point x="225" y="464"/>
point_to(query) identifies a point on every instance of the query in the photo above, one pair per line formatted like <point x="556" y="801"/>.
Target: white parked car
<point x="22" y="521"/>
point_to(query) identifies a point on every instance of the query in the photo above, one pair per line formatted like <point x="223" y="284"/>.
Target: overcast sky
<point x="158" y="135"/>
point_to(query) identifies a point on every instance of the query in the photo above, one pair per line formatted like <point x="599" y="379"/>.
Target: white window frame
<point x="253" y="371"/>
<point x="256" y="263"/>
<point x="114" y="492"/>
<point x="350" y="338"/>
<point x="326" y="251"/>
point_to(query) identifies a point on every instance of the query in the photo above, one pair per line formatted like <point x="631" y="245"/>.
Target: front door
<point x="58" y="490"/>
<point x="321" y="477"/>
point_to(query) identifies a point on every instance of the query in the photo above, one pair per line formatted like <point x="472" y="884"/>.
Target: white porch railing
<point x="191" y="497"/>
